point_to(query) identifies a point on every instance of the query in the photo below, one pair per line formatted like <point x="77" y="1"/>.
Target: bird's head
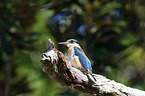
<point x="70" y="43"/>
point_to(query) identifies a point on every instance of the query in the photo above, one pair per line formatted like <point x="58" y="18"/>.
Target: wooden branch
<point x="56" y="65"/>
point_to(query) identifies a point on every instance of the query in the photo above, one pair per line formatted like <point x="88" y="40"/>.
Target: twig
<point x="8" y="76"/>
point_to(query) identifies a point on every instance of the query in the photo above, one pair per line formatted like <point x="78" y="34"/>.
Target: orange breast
<point x="71" y="50"/>
<point x="78" y="64"/>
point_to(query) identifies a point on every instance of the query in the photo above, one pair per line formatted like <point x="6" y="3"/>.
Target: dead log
<point x="56" y="65"/>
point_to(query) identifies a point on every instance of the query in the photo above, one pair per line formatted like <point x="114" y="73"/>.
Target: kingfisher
<point x="77" y="57"/>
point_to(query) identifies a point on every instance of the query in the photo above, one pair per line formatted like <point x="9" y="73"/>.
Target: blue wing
<point x="83" y="59"/>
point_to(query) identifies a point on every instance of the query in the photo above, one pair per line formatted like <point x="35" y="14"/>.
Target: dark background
<point x="111" y="32"/>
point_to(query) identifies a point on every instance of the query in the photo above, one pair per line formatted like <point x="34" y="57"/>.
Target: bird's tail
<point x="91" y="77"/>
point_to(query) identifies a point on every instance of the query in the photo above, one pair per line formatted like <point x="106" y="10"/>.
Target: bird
<point x="76" y="56"/>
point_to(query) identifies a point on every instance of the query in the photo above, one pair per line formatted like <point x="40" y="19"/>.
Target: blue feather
<point x="83" y="59"/>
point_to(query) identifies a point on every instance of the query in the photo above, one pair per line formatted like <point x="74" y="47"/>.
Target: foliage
<point x="110" y="32"/>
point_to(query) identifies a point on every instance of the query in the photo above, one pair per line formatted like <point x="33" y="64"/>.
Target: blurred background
<point x="111" y="32"/>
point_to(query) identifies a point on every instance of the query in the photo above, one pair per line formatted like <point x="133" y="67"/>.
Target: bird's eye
<point x="71" y="41"/>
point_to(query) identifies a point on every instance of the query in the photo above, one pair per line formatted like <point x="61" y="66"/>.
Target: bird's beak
<point x="63" y="43"/>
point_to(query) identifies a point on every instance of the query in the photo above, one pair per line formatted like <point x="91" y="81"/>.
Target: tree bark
<point x="56" y="65"/>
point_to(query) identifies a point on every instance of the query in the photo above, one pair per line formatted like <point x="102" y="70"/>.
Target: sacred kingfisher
<point x="77" y="57"/>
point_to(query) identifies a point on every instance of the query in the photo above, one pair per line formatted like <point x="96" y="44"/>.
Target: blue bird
<point x="77" y="56"/>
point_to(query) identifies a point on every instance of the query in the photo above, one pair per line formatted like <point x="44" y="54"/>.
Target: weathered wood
<point x="56" y="65"/>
